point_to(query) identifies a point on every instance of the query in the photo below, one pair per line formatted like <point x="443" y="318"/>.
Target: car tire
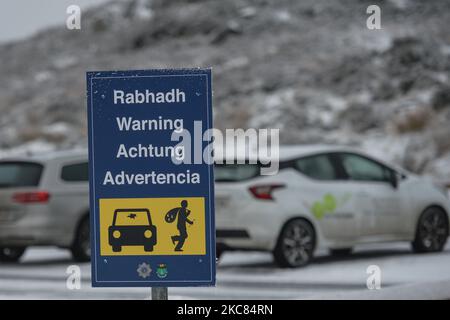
<point x="148" y="248"/>
<point x="295" y="245"/>
<point x="11" y="254"/>
<point x="432" y="231"/>
<point x="341" y="252"/>
<point x="117" y="248"/>
<point x="81" y="247"/>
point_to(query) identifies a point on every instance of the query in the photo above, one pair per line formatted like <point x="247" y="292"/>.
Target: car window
<point x="317" y="167"/>
<point x="132" y="218"/>
<point x="362" y="169"/>
<point x="19" y="174"/>
<point x="235" y="172"/>
<point x="75" y="172"/>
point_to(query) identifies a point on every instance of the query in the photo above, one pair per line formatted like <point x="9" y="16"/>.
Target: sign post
<point x="151" y="179"/>
<point x="160" y="293"/>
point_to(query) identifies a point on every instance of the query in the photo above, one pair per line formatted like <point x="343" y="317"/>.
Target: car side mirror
<point x="393" y="180"/>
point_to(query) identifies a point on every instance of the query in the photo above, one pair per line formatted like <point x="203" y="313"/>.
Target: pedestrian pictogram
<point x="181" y="215"/>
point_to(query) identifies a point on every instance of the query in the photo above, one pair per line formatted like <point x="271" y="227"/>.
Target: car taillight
<point x="31" y="197"/>
<point x="265" y="191"/>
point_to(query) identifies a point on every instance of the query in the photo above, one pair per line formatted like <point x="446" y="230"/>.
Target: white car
<point x="333" y="197"/>
<point x="44" y="200"/>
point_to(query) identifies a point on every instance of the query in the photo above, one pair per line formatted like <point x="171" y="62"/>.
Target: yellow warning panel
<point x="152" y="226"/>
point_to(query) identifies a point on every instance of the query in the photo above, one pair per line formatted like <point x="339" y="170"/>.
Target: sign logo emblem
<point x="144" y="270"/>
<point x="161" y="271"/>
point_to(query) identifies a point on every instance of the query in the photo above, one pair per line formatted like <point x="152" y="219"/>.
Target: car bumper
<point x="254" y="226"/>
<point x="232" y="234"/>
<point x="34" y="227"/>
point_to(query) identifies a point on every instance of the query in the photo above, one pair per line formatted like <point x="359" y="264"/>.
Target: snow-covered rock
<point x="310" y="68"/>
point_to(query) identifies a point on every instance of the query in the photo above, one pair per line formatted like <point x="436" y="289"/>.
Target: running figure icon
<point x="181" y="214"/>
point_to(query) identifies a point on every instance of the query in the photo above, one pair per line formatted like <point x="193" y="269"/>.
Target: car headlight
<point x="116" y="234"/>
<point x="147" y="234"/>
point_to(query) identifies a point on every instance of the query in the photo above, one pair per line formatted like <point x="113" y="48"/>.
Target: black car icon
<point x="132" y="227"/>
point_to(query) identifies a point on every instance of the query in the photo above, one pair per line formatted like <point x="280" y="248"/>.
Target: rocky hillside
<point x="308" y="67"/>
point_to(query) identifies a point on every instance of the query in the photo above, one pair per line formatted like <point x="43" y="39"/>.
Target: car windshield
<point x="235" y="172"/>
<point x="19" y="174"/>
<point x="132" y="218"/>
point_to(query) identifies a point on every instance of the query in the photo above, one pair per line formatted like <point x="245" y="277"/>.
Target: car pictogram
<point x="132" y="227"/>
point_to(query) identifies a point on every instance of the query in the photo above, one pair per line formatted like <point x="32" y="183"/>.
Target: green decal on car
<point x="328" y="204"/>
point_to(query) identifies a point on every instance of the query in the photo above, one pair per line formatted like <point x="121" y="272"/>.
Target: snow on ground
<point x="42" y="275"/>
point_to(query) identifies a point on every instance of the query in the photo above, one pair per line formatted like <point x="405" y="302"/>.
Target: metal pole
<point x="160" y="293"/>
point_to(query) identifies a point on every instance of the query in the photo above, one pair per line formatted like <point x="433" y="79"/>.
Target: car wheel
<point x="295" y="244"/>
<point x="432" y="231"/>
<point x="341" y="252"/>
<point x="11" y="254"/>
<point x="147" y="248"/>
<point x="81" y="248"/>
<point x="117" y="248"/>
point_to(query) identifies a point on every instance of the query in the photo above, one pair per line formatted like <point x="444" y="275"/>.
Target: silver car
<point x="44" y="200"/>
